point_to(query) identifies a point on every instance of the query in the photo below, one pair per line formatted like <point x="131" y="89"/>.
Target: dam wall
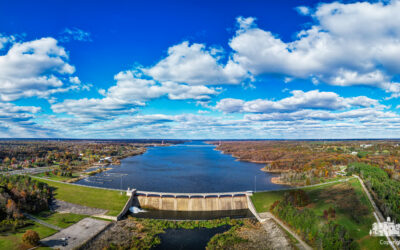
<point x="191" y="202"/>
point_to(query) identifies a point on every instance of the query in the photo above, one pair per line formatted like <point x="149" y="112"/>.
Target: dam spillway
<point x="190" y="201"/>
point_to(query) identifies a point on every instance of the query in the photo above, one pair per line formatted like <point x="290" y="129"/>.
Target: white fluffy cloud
<point x="13" y="113"/>
<point x="4" y="40"/>
<point x="130" y="86"/>
<point x="35" y="68"/>
<point x="18" y="121"/>
<point x="130" y="92"/>
<point x="322" y="115"/>
<point x="299" y="100"/>
<point x="196" y="65"/>
<point x="349" y="44"/>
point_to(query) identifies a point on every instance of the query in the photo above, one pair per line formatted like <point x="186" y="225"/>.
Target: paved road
<point x="378" y="215"/>
<point x="42" y="222"/>
<point x="74" y="236"/>
<point x="28" y="171"/>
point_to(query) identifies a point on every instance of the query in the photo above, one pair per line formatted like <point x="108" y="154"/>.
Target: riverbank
<point x="98" y="167"/>
<point x="238" y="158"/>
<point x="278" y="180"/>
<point x="158" y="234"/>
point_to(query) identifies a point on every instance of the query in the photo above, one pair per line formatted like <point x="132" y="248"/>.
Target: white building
<point x="387" y="228"/>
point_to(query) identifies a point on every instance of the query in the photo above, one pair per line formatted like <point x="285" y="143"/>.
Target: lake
<point x="193" y="167"/>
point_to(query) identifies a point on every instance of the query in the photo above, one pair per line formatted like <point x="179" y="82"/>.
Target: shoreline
<point x="277" y="171"/>
<point x="274" y="180"/>
<point x="277" y="180"/>
<point x="103" y="167"/>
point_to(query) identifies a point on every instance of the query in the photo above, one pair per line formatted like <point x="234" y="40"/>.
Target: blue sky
<point x="200" y="69"/>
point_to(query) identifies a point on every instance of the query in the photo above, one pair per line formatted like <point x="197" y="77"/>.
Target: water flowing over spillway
<point x="193" y="167"/>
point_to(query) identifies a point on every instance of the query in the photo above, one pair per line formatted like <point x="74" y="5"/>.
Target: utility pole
<point x="121" y="183"/>
<point x="255" y="183"/>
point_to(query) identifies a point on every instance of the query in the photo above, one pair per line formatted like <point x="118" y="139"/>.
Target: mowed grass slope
<point x="111" y="200"/>
<point x="357" y="219"/>
<point x="62" y="220"/>
<point x="11" y="241"/>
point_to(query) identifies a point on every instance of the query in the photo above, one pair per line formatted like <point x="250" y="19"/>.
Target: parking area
<point x="75" y="235"/>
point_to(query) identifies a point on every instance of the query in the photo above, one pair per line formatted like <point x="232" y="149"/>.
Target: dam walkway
<point x="191" y="195"/>
<point x="190" y="201"/>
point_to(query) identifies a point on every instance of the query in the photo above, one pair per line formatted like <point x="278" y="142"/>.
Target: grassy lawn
<point x="14" y="241"/>
<point x="60" y="219"/>
<point x="110" y="200"/>
<point x="263" y="200"/>
<point x="338" y="196"/>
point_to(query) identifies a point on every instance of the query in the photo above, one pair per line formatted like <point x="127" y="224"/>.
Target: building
<point x="387" y="228"/>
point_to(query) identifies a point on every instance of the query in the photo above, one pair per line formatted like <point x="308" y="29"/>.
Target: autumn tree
<point x="31" y="237"/>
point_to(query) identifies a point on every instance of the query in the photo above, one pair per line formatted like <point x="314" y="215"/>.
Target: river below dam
<point x="194" y="239"/>
<point x="192" y="167"/>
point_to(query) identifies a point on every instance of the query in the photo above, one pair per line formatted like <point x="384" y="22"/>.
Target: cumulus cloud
<point x="35" y="68"/>
<point x="349" y="44"/>
<point x="303" y="10"/>
<point x="18" y="121"/>
<point x="196" y="65"/>
<point x="313" y="99"/>
<point x="4" y="40"/>
<point x="94" y="108"/>
<point x="130" y="86"/>
<point x="322" y="115"/>
<point x="13" y="113"/>
<point x="130" y="92"/>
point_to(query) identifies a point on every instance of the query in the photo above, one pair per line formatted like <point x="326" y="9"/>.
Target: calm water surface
<point x="193" y="239"/>
<point x="190" y="167"/>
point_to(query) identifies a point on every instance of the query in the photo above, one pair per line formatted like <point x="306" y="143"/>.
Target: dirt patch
<point x="262" y="236"/>
<point x="66" y="207"/>
<point x="119" y="233"/>
<point x="256" y="236"/>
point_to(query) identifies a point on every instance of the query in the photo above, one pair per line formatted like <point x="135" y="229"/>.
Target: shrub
<point x="31" y="237"/>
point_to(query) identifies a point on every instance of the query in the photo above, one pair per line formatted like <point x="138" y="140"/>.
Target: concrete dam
<point x="190" y="201"/>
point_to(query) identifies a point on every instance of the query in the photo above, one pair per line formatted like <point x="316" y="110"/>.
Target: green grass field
<point x="60" y="219"/>
<point x="14" y="241"/>
<point x="329" y="195"/>
<point x="110" y="200"/>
